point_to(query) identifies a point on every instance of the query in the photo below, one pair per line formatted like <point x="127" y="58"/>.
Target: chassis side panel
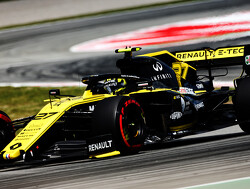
<point x="41" y="123"/>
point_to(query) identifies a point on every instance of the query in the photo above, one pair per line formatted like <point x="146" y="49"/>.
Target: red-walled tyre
<point x="123" y="117"/>
<point x="7" y="132"/>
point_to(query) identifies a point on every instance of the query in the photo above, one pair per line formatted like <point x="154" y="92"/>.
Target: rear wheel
<point x="242" y="104"/>
<point x="6" y="130"/>
<point x="123" y="117"/>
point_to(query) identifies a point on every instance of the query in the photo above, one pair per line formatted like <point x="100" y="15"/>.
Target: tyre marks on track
<point x="218" y="28"/>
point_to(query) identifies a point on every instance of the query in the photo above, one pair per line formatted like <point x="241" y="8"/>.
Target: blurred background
<point x="59" y="41"/>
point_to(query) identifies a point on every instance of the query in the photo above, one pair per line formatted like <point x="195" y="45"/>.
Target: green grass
<point x="20" y="102"/>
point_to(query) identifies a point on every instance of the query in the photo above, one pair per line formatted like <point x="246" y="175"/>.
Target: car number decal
<point x="44" y="115"/>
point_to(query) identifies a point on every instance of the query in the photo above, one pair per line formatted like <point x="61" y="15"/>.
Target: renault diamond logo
<point x="15" y="146"/>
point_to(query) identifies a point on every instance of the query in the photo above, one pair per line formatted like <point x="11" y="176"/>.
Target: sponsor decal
<point x="130" y="76"/>
<point x="247" y="60"/>
<point x="91" y="108"/>
<point x="100" y="146"/>
<point x="199" y="86"/>
<point x="130" y="101"/>
<point x="199" y="105"/>
<point x="161" y="77"/>
<point x="185" y="90"/>
<point x="30" y="130"/>
<point x="157" y="67"/>
<point x="44" y="115"/>
<point x="211" y="54"/>
<point x="188" y="56"/>
<point x="142" y="84"/>
<point x="176" y="115"/>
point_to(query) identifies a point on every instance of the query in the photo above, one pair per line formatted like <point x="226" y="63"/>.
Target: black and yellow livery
<point x="156" y="97"/>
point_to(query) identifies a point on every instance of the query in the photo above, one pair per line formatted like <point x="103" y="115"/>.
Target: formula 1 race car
<point x="157" y="97"/>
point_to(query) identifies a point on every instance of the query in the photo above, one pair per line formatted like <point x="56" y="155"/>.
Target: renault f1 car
<point x="157" y="97"/>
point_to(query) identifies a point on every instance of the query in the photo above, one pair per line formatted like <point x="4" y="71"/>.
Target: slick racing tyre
<point x="123" y="117"/>
<point x="242" y="104"/>
<point x="6" y="130"/>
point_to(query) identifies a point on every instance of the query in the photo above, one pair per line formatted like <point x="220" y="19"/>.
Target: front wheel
<point x="7" y="132"/>
<point x="123" y="117"/>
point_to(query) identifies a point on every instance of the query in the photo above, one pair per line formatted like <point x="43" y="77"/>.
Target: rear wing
<point x="223" y="56"/>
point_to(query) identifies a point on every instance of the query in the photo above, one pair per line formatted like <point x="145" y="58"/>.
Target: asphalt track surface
<point x="180" y="163"/>
<point x="41" y="54"/>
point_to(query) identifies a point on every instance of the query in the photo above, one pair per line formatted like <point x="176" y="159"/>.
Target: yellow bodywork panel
<point x="150" y="91"/>
<point x="154" y="54"/>
<point x="48" y="115"/>
<point x="128" y="49"/>
<point x="180" y="68"/>
<point x="114" y="153"/>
